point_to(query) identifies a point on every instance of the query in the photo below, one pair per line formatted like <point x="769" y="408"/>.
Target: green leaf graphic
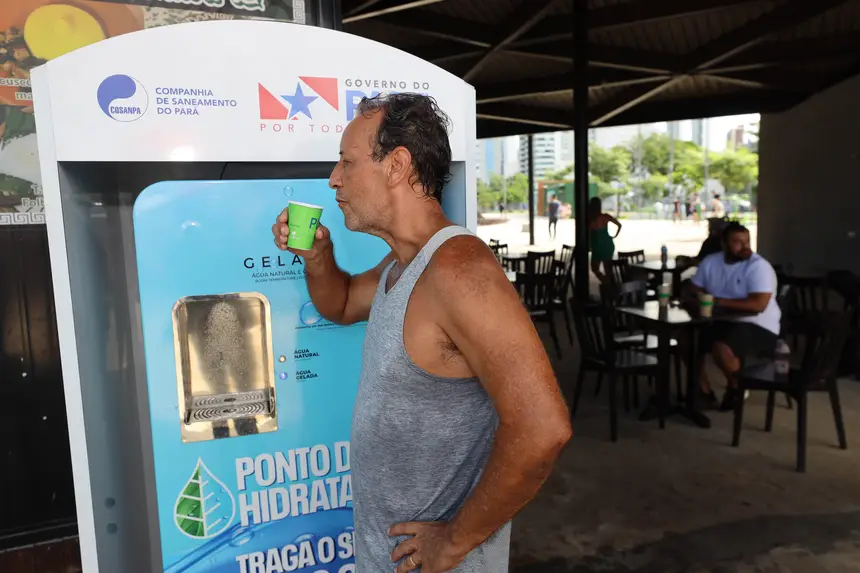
<point x="205" y="507"/>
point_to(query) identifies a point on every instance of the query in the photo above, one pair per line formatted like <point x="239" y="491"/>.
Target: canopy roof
<point x="649" y="60"/>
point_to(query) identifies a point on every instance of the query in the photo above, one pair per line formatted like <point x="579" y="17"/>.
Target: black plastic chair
<point x="563" y="280"/>
<point x="500" y="251"/>
<point x="825" y="334"/>
<point x="537" y="292"/>
<point x="567" y="256"/>
<point x="540" y="262"/>
<point x="619" y="271"/>
<point x="628" y="332"/>
<point x="632" y="257"/>
<point x="599" y="354"/>
<point x="802" y="300"/>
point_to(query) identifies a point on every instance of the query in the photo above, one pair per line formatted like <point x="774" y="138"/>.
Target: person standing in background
<point x="553" y="209"/>
<point x="718" y="210"/>
<point x="697" y="208"/>
<point x="602" y="243"/>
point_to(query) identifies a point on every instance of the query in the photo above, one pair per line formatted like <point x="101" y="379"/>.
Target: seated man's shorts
<point x="744" y="338"/>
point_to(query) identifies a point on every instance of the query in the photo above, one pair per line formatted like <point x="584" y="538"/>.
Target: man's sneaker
<point x="730" y="398"/>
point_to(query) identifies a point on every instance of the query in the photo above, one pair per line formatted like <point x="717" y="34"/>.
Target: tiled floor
<point x="680" y="500"/>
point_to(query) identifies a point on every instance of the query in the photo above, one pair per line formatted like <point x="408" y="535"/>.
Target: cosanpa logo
<point x="123" y="98"/>
<point x="205" y="507"/>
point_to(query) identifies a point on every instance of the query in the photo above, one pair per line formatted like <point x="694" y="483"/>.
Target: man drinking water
<point x="458" y="418"/>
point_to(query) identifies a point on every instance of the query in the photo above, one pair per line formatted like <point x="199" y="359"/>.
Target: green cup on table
<point x="706" y="305"/>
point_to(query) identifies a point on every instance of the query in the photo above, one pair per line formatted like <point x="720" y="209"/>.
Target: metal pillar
<point x="531" y="144"/>
<point x="580" y="146"/>
<point x="328" y="14"/>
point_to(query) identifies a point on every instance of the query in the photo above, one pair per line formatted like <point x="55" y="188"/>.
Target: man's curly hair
<point x="414" y="121"/>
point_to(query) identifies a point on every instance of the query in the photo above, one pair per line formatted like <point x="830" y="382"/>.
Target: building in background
<point x="735" y="138"/>
<point x="552" y="152"/>
<point x="699" y="132"/>
<point x="673" y="130"/>
<point x="490" y="154"/>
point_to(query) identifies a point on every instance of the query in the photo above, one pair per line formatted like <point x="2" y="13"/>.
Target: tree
<point x="613" y="169"/>
<point x="518" y="188"/>
<point x="488" y="198"/>
<point x="654" y="186"/>
<point x="560" y="175"/>
<point x="608" y="165"/>
<point x="736" y="170"/>
<point x="654" y="150"/>
<point x="689" y="172"/>
<point x="490" y="193"/>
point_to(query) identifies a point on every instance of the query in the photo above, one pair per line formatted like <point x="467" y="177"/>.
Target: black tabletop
<point x="655" y="266"/>
<point x="651" y="311"/>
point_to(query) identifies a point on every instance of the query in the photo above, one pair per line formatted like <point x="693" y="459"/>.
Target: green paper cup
<point x="303" y="221"/>
<point x="706" y="305"/>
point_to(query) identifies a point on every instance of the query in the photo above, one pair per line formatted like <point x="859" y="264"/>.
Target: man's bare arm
<point x="338" y="296"/>
<point x="488" y="324"/>
<point x="756" y="302"/>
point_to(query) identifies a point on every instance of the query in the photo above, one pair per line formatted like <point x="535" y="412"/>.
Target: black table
<point x="652" y="268"/>
<point x="655" y="266"/>
<point x="666" y="321"/>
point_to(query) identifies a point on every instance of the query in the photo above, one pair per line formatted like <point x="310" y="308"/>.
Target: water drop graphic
<point x="309" y="315"/>
<point x="205" y="507"/>
<point x="288" y="191"/>
<point x="306" y="538"/>
<point x="242" y="536"/>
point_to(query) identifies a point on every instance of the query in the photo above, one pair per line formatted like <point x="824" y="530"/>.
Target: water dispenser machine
<point x="209" y="404"/>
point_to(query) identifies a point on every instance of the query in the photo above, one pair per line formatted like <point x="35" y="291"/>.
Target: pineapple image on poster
<point x="205" y="507"/>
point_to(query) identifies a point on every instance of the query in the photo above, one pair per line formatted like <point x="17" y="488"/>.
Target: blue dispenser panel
<point x="251" y="391"/>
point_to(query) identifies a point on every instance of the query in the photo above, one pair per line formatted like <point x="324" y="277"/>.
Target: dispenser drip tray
<point x="224" y="367"/>
<point x="230" y="406"/>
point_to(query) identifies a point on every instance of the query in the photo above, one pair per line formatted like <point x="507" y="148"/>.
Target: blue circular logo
<point x="309" y="315"/>
<point x="123" y="98"/>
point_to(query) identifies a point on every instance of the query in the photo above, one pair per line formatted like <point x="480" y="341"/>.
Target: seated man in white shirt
<point x="743" y="281"/>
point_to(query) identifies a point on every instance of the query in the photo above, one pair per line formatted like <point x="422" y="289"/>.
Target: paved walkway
<point x="683" y="238"/>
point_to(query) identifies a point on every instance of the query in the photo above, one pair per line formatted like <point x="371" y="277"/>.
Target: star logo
<point x="308" y="90"/>
<point x="299" y="102"/>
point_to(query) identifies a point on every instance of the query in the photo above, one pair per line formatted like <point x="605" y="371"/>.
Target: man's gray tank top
<point x="419" y="442"/>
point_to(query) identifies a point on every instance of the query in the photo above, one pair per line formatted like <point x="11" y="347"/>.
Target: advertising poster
<point x="35" y="31"/>
<point x="250" y="390"/>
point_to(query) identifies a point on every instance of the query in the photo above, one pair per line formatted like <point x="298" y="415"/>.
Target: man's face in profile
<point x="359" y="180"/>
